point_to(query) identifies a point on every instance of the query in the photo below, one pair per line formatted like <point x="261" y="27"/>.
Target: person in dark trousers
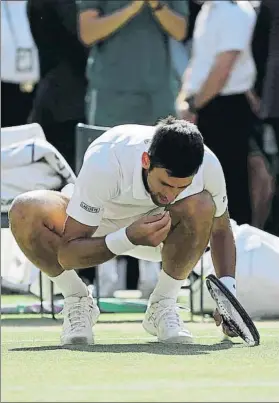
<point x="265" y="46"/>
<point x="59" y="101"/>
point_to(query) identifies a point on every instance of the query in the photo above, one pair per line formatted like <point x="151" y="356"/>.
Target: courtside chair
<point x="85" y="134"/>
<point x="15" y="134"/>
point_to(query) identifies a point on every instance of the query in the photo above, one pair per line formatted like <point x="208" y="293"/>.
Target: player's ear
<point x="145" y="160"/>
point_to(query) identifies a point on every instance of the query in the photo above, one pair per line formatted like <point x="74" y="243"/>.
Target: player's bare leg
<point x="37" y="221"/>
<point x="192" y="220"/>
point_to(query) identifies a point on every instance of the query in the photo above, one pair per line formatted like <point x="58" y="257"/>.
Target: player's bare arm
<point x="79" y="250"/>
<point x="222" y="244"/>
<point x="223" y="252"/>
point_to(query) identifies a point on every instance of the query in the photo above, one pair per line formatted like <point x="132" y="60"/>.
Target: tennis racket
<point x="232" y="312"/>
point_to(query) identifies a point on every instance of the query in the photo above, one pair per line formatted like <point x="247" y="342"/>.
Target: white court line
<point x="158" y="384"/>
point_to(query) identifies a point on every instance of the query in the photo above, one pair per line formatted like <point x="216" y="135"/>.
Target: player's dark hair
<point x="177" y="146"/>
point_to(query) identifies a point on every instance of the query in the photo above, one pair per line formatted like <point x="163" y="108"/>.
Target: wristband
<point x="230" y="283"/>
<point x="118" y="242"/>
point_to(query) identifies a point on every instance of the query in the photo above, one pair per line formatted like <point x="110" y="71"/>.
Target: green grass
<point x="18" y="299"/>
<point x="126" y="364"/>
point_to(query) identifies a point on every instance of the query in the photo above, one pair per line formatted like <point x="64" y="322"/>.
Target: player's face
<point x="163" y="188"/>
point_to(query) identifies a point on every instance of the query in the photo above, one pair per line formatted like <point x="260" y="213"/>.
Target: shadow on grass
<point x="149" y="348"/>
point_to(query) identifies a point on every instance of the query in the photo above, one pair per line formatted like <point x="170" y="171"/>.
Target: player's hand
<point x="150" y="230"/>
<point x="152" y="3"/>
<point x="219" y="321"/>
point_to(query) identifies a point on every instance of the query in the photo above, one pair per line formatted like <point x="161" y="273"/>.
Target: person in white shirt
<point x="152" y="192"/>
<point x="214" y="92"/>
<point x="19" y="64"/>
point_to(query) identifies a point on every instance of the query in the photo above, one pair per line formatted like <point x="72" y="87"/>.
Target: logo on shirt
<point x="224" y="199"/>
<point x="90" y="209"/>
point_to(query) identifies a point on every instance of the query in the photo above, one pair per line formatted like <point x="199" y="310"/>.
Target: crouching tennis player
<point x="155" y="193"/>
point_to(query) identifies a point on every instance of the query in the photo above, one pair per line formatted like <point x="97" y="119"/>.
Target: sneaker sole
<point x="78" y="341"/>
<point x="171" y="340"/>
<point x="178" y="340"/>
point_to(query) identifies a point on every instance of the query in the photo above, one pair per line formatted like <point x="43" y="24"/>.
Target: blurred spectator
<point x="131" y="79"/>
<point x="261" y="179"/>
<point x="259" y="168"/>
<point x="19" y="64"/>
<point x="259" y="165"/>
<point x="59" y="101"/>
<point x="266" y="97"/>
<point x="220" y="73"/>
<point x="266" y="54"/>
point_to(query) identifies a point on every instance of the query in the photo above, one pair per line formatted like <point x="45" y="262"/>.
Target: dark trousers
<point x="226" y="124"/>
<point x="273" y="224"/>
<point x="274" y="122"/>
<point x="15" y="105"/>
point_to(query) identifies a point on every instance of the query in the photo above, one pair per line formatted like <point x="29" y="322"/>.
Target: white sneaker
<point x="80" y="314"/>
<point x="162" y="320"/>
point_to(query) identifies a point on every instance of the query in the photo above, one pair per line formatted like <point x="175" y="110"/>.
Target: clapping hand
<point x="152" y="3"/>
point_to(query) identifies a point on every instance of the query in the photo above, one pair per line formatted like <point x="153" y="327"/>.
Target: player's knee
<point x="22" y="213"/>
<point x="200" y="205"/>
<point x="204" y="205"/>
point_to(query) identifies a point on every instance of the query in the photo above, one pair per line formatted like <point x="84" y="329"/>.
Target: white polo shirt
<point x="222" y="26"/>
<point x="110" y="186"/>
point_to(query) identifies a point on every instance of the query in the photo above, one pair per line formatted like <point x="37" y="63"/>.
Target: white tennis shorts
<point x="152" y="254"/>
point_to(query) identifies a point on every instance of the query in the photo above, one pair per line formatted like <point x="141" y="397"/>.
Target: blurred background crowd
<point x="111" y="62"/>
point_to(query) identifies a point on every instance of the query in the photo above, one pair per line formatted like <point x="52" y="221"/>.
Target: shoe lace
<point x="169" y="315"/>
<point x="78" y="314"/>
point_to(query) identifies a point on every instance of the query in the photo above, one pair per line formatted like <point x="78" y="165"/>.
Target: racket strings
<point x="232" y="312"/>
<point x="229" y="312"/>
<point x="231" y="316"/>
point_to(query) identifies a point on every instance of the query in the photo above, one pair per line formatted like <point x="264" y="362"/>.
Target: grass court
<point x="128" y="365"/>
